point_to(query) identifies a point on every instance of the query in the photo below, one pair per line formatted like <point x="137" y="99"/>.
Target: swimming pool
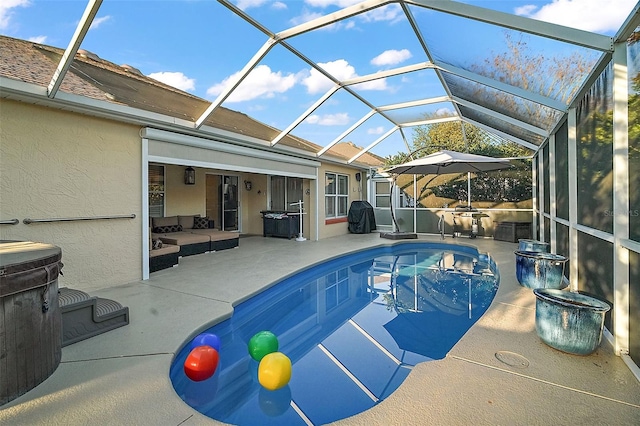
<point x="353" y="328"/>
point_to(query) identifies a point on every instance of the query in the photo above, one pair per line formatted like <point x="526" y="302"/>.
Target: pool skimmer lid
<point x="512" y="359"/>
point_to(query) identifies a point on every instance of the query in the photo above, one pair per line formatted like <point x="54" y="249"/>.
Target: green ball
<point x="261" y="344"/>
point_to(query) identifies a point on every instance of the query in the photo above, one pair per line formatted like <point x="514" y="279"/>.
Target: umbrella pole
<point x="395" y="234"/>
<point x="396" y="228"/>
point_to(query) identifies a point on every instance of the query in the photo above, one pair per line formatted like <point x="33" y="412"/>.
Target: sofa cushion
<point x="157" y="244"/>
<point x="184" y="238"/>
<point x="200" y="223"/>
<point x="166" y="249"/>
<point x="167" y="229"/>
<point x="215" y="234"/>
<point x="187" y="221"/>
<point x="164" y="221"/>
<point x="224" y="235"/>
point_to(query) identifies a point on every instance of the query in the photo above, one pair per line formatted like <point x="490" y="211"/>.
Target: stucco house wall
<point x="60" y="164"/>
<point x="252" y="202"/>
<point x="57" y="164"/>
<point x="181" y="199"/>
<point x="330" y="228"/>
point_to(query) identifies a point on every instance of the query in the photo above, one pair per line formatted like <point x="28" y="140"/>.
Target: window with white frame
<point x="382" y="191"/>
<point x="156" y="190"/>
<point x="284" y="191"/>
<point x="336" y="195"/>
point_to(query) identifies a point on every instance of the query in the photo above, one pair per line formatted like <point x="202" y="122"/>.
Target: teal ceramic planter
<point x="533" y="245"/>
<point x="540" y="270"/>
<point x="570" y="322"/>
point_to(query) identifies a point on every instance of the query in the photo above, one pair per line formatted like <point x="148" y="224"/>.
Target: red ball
<point x="201" y="363"/>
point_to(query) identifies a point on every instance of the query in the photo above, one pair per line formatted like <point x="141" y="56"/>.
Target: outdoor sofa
<point x="176" y="236"/>
<point x="163" y="257"/>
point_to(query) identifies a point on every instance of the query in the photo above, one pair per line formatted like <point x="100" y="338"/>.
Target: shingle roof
<point x="99" y="79"/>
<point x="350" y="149"/>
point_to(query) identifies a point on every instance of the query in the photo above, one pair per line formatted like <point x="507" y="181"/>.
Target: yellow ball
<point x="274" y="371"/>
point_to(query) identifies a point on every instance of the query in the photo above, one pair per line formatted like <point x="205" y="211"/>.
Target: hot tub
<point x="30" y="346"/>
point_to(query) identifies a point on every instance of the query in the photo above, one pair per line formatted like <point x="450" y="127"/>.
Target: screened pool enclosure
<point x="569" y="99"/>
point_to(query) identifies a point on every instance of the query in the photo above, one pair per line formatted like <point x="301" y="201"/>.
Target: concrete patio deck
<point x="122" y="377"/>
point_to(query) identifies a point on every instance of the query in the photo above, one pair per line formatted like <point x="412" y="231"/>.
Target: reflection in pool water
<point x="353" y="328"/>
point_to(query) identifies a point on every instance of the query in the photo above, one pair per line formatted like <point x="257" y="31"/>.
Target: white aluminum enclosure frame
<point x="581" y="38"/>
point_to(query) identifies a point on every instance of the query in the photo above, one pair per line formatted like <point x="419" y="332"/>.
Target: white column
<point x="572" y="159"/>
<point x="620" y="199"/>
<point x="541" y="192"/>
<point x="534" y="194"/>
<point x="552" y="192"/>
<point x="145" y="209"/>
<point x="316" y="194"/>
<point x="415" y="203"/>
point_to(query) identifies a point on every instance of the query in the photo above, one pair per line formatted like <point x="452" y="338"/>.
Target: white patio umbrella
<point x="446" y="162"/>
<point x="443" y="162"/>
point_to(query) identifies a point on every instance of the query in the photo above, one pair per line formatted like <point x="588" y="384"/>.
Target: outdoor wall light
<point x="189" y="176"/>
<point x="247" y="185"/>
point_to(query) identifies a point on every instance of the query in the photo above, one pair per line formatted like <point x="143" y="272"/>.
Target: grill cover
<point x="361" y="218"/>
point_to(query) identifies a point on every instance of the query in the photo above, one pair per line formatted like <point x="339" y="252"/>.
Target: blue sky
<point x="198" y="46"/>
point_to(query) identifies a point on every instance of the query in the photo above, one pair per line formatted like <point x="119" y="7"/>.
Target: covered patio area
<point x="500" y="372"/>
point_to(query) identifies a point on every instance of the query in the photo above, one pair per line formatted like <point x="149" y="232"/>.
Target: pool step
<point x="85" y="316"/>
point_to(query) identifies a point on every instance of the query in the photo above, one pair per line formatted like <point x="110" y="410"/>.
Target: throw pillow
<point x="167" y="229"/>
<point x="164" y="221"/>
<point x="200" y="222"/>
<point x="186" y="221"/>
<point x="157" y="244"/>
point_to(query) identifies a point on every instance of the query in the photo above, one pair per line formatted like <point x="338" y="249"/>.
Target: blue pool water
<point x="353" y="328"/>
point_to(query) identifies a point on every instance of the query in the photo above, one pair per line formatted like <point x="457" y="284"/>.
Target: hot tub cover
<point x="25" y="265"/>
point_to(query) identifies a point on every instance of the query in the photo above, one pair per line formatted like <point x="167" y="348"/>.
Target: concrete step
<point x="85" y="316"/>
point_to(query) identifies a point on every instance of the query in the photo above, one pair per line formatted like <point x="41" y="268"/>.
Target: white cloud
<point x="391" y="57"/>
<point x="390" y="12"/>
<point x="379" y="84"/>
<point x="590" y="15"/>
<point x="99" y="21"/>
<point x="338" y="26"/>
<point x="260" y="83"/>
<point x="329" y="119"/>
<point x="318" y="83"/>
<point x="246" y="4"/>
<point x="446" y="112"/>
<point x="5" y="10"/>
<point x="525" y="10"/>
<point x="375" y="130"/>
<point x="341" y="70"/>
<point x="38" y="39"/>
<point x="278" y="5"/>
<point x="175" y="79"/>
<point x="306" y="16"/>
